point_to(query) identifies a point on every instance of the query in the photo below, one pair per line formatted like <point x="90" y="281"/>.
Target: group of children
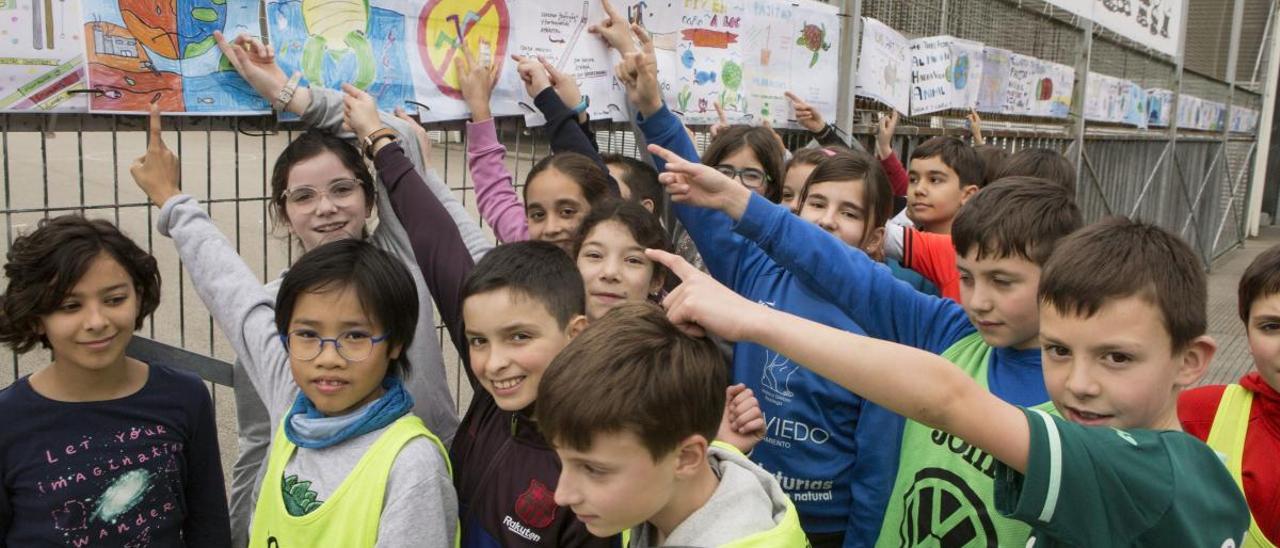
<point x="790" y="365"/>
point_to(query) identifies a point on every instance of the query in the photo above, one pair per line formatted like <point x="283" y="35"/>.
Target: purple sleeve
<point x="564" y="133"/>
<point x="437" y="245"/>
<point x="207" y="522"/>
<point x="495" y="196"/>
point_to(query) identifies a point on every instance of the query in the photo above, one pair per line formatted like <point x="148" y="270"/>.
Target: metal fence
<point x="1191" y="182"/>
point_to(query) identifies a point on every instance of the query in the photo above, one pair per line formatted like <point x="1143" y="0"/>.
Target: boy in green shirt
<point x="1122" y="329"/>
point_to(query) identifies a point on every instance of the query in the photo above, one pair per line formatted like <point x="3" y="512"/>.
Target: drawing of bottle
<point x="37" y="30"/>
<point x="765" y="52"/>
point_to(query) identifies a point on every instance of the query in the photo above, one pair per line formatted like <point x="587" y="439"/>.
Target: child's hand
<point x="158" y="171"/>
<point x="722" y="121"/>
<point x="615" y="29"/>
<point x="359" y="111"/>
<point x="808" y="117"/>
<point x="533" y="73"/>
<point x="700" y="185"/>
<point x="884" y="136"/>
<point x="638" y="71"/>
<point x="255" y="62"/>
<point x="701" y="304"/>
<point x="565" y="84"/>
<point x="419" y="133"/>
<point x="975" y="127"/>
<point x="743" y="424"/>
<point x="475" y="81"/>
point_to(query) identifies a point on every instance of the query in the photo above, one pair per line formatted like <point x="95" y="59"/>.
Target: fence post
<point x="1258" y="182"/>
<point x="1078" y="98"/>
<point x="852" y="10"/>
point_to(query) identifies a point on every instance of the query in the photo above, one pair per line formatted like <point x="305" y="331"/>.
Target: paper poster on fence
<point x="710" y="58"/>
<point x="1159" y="107"/>
<point x="1152" y="23"/>
<point x="884" y="66"/>
<point x="966" y="73"/>
<point x="1020" y="89"/>
<point x="995" y="78"/>
<point x="557" y="31"/>
<point x="1135" y="105"/>
<point x="43" y="56"/>
<point x="1243" y="120"/>
<point x="1054" y="89"/>
<point x="790" y="46"/>
<point x="1105" y="99"/>
<point x="932" y="88"/>
<point x="1188" y="111"/>
<point x="439" y="30"/>
<point x="140" y="52"/>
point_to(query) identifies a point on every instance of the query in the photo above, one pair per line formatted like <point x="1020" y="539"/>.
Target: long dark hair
<point x="311" y="144"/>
<point x="762" y="143"/>
<point x="589" y="176"/>
<point x="643" y="226"/>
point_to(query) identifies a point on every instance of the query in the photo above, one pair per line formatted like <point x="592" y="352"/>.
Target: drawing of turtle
<point x="813" y="38"/>
<point x="337" y="28"/>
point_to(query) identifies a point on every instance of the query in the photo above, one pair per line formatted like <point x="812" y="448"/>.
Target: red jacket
<point x="1261" y="475"/>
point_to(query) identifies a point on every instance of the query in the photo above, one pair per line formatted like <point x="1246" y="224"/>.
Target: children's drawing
<point x="711" y="53"/>
<point x="557" y="31"/>
<point x="43" y="56"/>
<point x="814" y="38"/>
<point x="1135" y="105"/>
<point x="1025" y="73"/>
<point x="932" y="84"/>
<point x="995" y="78"/>
<point x="442" y="27"/>
<point x="884" y="65"/>
<point x="1159" y="106"/>
<point x="144" y="51"/>
<point x="1053" y="94"/>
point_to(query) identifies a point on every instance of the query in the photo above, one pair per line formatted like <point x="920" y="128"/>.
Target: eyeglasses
<point x="751" y="177"/>
<point x="339" y="192"/>
<point x="353" y="346"/>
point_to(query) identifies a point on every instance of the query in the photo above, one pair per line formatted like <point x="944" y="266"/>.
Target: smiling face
<point x="838" y="207"/>
<point x="934" y="194"/>
<point x="512" y="340"/>
<point x="1264" y="338"/>
<point x="333" y="383"/>
<point x="614" y="269"/>
<point x="95" y="320"/>
<point x="793" y="185"/>
<point x="744" y="158"/>
<point x="1118" y="368"/>
<point x="555" y="207"/>
<point x="617" y="484"/>
<point x="999" y="296"/>
<point x="329" y="216"/>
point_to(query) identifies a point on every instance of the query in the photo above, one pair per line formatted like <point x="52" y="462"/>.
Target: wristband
<point x="286" y="93"/>
<point x="582" y="106"/>
<point x="373" y="139"/>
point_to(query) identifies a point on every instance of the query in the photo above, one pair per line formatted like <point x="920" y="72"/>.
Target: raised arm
<point x="556" y="94"/>
<point x="495" y="194"/>
<point x="885" y="129"/>
<point x="886" y="373"/>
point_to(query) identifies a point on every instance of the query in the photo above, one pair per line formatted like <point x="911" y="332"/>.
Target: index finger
<point x="670" y="157"/>
<point x="720" y="113"/>
<point x="675" y="263"/>
<point x="609" y="11"/>
<point x="466" y="54"/>
<point x="154" y="141"/>
<point x="793" y="97"/>
<point x="646" y="43"/>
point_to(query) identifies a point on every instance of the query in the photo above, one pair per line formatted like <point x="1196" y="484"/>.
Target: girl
<point x="108" y="449"/>
<point x="561" y="188"/>
<point x="610" y="256"/>
<point x="799" y="167"/>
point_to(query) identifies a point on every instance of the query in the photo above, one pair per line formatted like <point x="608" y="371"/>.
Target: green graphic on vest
<point x="941" y="510"/>
<point x="299" y="499"/>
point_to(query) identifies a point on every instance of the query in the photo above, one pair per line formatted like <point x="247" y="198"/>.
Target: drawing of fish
<point x="704" y="77"/>
<point x="706" y="38"/>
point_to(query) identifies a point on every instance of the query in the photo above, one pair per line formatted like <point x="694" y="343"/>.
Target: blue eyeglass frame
<point x="337" y="346"/>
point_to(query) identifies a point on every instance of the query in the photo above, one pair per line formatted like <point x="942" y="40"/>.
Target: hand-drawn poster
<point x="1159" y="107"/>
<point x="1188" y="111"/>
<point x="995" y="78"/>
<point x="966" y="72"/>
<point x="1105" y="99"/>
<point x="1135" y="105"/>
<point x="1053" y="90"/>
<point x="884" y="66"/>
<point x="932" y="85"/>
<point x="1152" y="23"/>
<point x="440" y="28"/>
<point x="140" y="51"/>
<point x="1244" y="120"/>
<point x="790" y="46"/>
<point x="711" y="60"/>
<point x="345" y="41"/>
<point x="1021" y="88"/>
<point x="557" y="31"/>
<point x="43" y="56"/>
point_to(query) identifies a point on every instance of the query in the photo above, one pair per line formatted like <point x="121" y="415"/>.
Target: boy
<point x="1002" y="236"/>
<point x="1117" y="347"/>
<point x="637" y="182"/>
<point x="1242" y="422"/>
<point x="943" y="174"/>
<point x="632" y="407"/>
<point x="521" y="304"/>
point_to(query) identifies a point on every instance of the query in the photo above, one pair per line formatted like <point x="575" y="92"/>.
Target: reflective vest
<point x="1226" y="436"/>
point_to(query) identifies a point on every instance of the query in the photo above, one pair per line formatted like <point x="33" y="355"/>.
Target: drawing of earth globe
<point x="195" y="31"/>
<point x="960" y="72"/>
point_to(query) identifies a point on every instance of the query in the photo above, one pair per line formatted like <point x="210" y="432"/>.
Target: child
<point x="99" y="447"/>
<point x="561" y="188"/>
<point x="1117" y="349"/>
<point x="993" y="158"/>
<point x="1002" y="237"/>
<point x="611" y="259"/>
<point x="1242" y="421"/>
<point x="944" y="173"/>
<point x="349" y="465"/>
<point x="1047" y="164"/>
<point x="638" y="182"/>
<point x="645" y="463"/>
<point x="799" y="167"/>
<point x="522" y="304"/>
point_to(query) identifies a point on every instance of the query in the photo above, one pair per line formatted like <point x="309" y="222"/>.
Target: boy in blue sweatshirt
<point x="1002" y="237"/>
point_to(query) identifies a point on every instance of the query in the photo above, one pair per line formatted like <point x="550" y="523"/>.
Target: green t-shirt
<point x="1088" y="486"/>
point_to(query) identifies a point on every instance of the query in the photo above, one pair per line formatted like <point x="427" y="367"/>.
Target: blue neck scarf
<point x="308" y="427"/>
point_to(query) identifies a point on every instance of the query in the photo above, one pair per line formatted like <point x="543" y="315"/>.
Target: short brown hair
<point x="1260" y="280"/>
<point x="961" y="158"/>
<point x="763" y="144"/>
<point x="851" y="165"/>
<point x="633" y="371"/>
<point x="1117" y="258"/>
<point x="45" y="265"/>
<point x="1016" y="217"/>
<point x="1045" y="163"/>
<point x="993" y="158"/>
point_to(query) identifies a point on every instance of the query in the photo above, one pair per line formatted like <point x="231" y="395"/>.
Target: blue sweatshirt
<point x="814" y="437"/>
<point x="887" y="309"/>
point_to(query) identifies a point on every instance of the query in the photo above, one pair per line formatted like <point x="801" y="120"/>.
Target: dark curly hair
<point x="43" y="266"/>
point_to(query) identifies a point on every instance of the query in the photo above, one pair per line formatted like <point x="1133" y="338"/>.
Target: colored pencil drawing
<point x="814" y="38"/>
<point x="43" y="56"/>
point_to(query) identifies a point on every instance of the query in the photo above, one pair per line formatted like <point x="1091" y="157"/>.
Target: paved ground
<point x="1232" y="360"/>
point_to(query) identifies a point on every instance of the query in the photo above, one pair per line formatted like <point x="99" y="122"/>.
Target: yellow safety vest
<point x="1226" y="436"/>
<point x="350" y="516"/>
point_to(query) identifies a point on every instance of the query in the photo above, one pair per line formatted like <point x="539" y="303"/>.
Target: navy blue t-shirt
<point x="142" y="470"/>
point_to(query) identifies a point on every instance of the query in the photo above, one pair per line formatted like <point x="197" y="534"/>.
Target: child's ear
<point x="967" y="192"/>
<point x="691" y="456"/>
<point x="576" y="326"/>
<point x="394" y="352"/>
<point x="648" y="204"/>
<point x="1194" y="361"/>
<point x="658" y="280"/>
<point x="873" y="243"/>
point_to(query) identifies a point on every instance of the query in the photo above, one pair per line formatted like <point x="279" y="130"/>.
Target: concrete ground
<point x="1232" y="360"/>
